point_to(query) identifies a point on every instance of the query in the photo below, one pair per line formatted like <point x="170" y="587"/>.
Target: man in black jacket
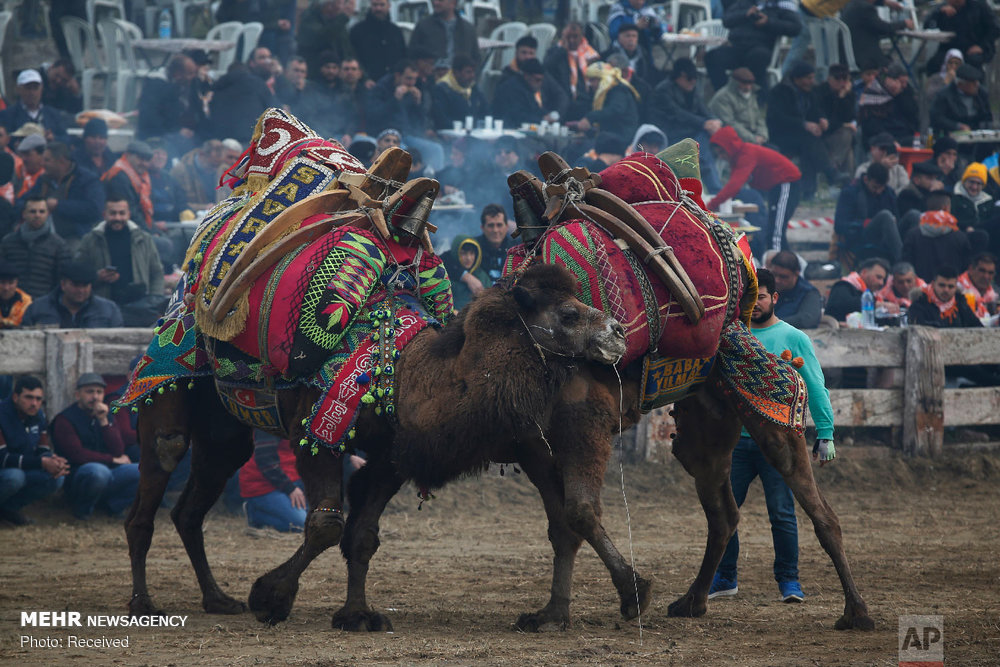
<point x="889" y="104"/>
<point x="754" y="27"/>
<point x="238" y="100"/>
<point x="73" y="305"/>
<point x="93" y="153"/>
<point x="75" y="196"/>
<point x="923" y="181"/>
<point x="29" y="108"/>
<point x="975" y="27"/>
<point x="796" y="124"/>
<point x="34" y="250"/>
<point x="445" y="34"/>
<point x="845" y="294"/>
<point x="377" y="41"/>
<point x="553" y="95"/>
<point x="396" y="102"/>
<point x="456" y="95"/>
<point x="963" y="105"/>
<point x="865" y="219"/>
<point x="520" y="98"/>
<point x="868" y="29"/>
<point x="172" y="109"/>
<point x="836" y="102"/>
<point x="639" y="60"/>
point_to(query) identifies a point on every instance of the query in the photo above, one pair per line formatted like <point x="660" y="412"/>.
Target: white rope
<point x="628" y="516"/>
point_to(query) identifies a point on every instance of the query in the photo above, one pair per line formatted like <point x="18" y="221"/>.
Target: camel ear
<point x="524" y="298"/>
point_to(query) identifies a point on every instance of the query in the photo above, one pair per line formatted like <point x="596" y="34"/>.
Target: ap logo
<point x="921" y="641"/>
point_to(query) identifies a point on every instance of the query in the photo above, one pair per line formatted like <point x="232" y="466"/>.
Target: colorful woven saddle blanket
<point x="613" y="279"/>
<point x="769" y="386"/>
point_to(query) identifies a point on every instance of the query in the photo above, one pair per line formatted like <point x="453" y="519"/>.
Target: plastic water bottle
<point x="868" y="310"/>
<point x="917" y="142"/>
<point x="165" y="24"/>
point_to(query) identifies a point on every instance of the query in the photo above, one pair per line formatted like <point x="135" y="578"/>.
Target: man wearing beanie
<point x="970" y="204"/>
<point x="522" y="99"/>
<point x="93" y="153"/>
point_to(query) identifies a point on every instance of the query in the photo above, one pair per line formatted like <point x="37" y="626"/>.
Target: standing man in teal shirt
<point x="749" y="462"/>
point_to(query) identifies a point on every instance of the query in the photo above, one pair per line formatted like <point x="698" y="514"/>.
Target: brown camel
<point x="490" y="375"/>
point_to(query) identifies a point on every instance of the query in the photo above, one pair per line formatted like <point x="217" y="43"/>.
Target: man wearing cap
<point x="753" y="29"/>
<point x="796" y="125"/>
<point x="123" y="255"/>
<point x="74" y="195"/>
<point x="456" y="95"/>
<point x="93" y="153"/>
<point x="975" y="27"/>
<point x="868" y="29"/>
<point x="129" y="177"/>
<point x="889" y="104"/>
<point x="377" y="41"/>
<point x="28" y="469"/>
<point x="29" y="107"/>
<point x="522" y="98"/>
<point x="963" y="105"/>
<point x="31" y="150"/>
<point x="72" y="305"/>
<point x="636" y="13"/>
<point x="923" y="181"/>
<point x="101" y="471"/>
<point x="34" y="250"/>
<point x="637" y="56"/>
<point x="13" y="300"/>
<point x="445" y="34"/>
<point x="735" y="104"/>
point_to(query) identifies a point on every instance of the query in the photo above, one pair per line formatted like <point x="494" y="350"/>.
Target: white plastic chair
<point x="544" y="33"/>
<point x="180" y="14"/>
<point x="123" y="65"/>
<point x="407" y="30"/>
<point x="93" y="7"/>
<point x="251" y="35"/>
<point x="598" y="36"/>
<point x="410" y="11"/>
<point x="5" y="18"/>
<point x="508" y="32"/>
<point x="836" y="33"/>
<point x="685" y="13"/>
<point x="81" y="42"/>
<point x="480" y="10"/>
<point x="781" y="48"/>
<point x="228" y="31"/>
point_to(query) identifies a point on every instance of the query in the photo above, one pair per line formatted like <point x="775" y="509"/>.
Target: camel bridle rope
<point x="628" y="515"/>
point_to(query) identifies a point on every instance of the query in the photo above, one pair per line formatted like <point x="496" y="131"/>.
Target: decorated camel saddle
<point x="647" y="251"/>
<point x="315" y="271"/>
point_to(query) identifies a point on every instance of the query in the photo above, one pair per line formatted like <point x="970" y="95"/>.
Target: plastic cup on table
<point x="468" y="122"/>
<point x="488" y="123"/>
<point x="498" y="125"/>
<point x="456" y="125"/>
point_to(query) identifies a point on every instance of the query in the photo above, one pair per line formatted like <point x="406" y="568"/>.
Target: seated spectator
<point x="801" y="304"/>
<point x="8" y="214"/>
<point x="456" y="94"/>
<point x="230" y="154"/>
<point x="271" y="487"/>
<point x="445" y="34"/>
<point x="522" y="98"/>
<point x="74" y="194"/>
<point x="648" y="139"/>
<point x="638" y="58"/>
<point x="388" y="138"/>
<point x="277" y="17"/>
<point x="796" y="125"/>
<point x="614" y="102"/>
<point x="72" y="305"/>
<point x="975" y="27"/>
<point x="766" y="171"/>
<point x="868" y="29"/>
<point x="865" y="219"/>
<point x="28" y="469"/>
<point x="923" y="180"/>
<point x="198" y="173"/>
<point x="608" y="149"/>
<point x="29" y="108"/>
<point x="453" y="178"/>
<point x="13" y="300"/>
<point x="349" y="98"/>
<point x="378" y="42"/>
<point x="970" y="204"/>
<point x="495" y="241"/>
<point x="735" y="104"/>
<point x="753" y="29"/>
<point x="882" y="149"/>
<point x="102" y="473"/>
<point x="465" y="257"/>
<point x="93" y="153"/>
<point x="129" y="178"/>
<point x="946" y="158"/>
<point x="836" y="103"/>
<point x="525" y="48"/>
<point x="896" y="292"/>
<point x="634" y="12"/>
<point x="936" y="241"/>
<point x="322" y="28"/>
<point x="554" y="97"/>
<point x="31" y="150"/>
<point x="293" y="89"/>
<point x="678" y="104"/>
<point x="978" y="282"/>
<point x="566" y="62"/>
<point x="167" y="195"/>
<point x="34" y="251"/>
<point x="172" y="109"/>
<point x="963" y="105"/>
<point x="946" y="76"/>
<point x="397" y="102"/>
<point x="364" y="148"/>
<point x="240" y="97"/>
<point x="845" y="295"/>
<point x="123" y="255"/>
<point x="941" y="305"/>
<point x="61" y="89"/>
<point x="329" y="71"/>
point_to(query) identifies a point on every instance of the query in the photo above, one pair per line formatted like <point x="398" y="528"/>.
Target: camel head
<point x="558" y="322"/>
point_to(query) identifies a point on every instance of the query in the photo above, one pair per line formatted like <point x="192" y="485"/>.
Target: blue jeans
<point x="19" y="488"/>
<point x="275" y="510"/>
<point x="97" y="482"/>
<point x="749" y="462"/>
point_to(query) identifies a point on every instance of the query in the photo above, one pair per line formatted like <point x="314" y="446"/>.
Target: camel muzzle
<point x="608" y="344"/>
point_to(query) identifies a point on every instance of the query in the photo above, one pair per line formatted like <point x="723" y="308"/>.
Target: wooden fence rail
<point x="920" y="405"/>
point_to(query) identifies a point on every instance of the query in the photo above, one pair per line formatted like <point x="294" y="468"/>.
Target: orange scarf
<point x="140" y="184"/>
<point x="941" y="222"/>
<point x="13" y="320"/>
<point x="578" y="60"/>
<point x="27" y="180"/>
<point x="888" y="295"/>
<point x="948" y="309"/>
<point x="981" y="299"/>
<point x="854" y="280"/>
<point x="7" y="189"/>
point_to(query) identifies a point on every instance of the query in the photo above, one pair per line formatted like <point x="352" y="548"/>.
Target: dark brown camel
<point x="490" y="374"/>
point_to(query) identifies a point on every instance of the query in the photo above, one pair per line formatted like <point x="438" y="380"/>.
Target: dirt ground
<point x="922" y="538"/>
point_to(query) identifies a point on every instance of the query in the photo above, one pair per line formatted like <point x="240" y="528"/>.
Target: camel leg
<point x="273" y="594"/>
<point x="541" y="470"/>
<point x="221" y="446"/>
<point x="788" y="452"/>
<point x="163" y="437"/>
<point x="707" y="431"/>
<point x="370" y="491"/>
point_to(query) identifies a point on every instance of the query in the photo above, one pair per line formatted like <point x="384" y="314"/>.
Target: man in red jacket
<point x="764" y="170"/>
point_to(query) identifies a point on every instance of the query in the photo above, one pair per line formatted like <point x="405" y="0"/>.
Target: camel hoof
<point x="271" y="599"/>
<point x="361" y="621"/>
<point x="641" y="593"/>
<point x="686" y="607"/>
<point x="541" y="621"/>
<point x="223" y="604"/>
<point x="142" y="605"/>
<point x="861" y="622"/>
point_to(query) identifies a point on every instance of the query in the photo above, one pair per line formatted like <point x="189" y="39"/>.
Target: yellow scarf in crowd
<point x="610" y="77"/>
<point x="450" y="80"/>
